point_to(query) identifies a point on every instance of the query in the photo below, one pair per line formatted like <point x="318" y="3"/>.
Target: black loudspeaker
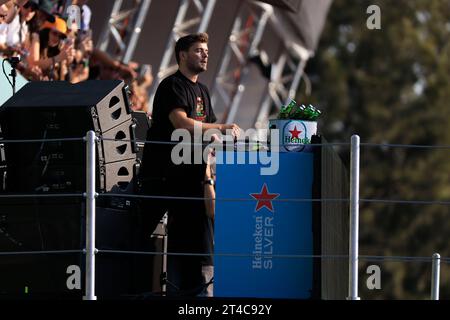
<point x="32" y="225"/>
<point x="2" y="164"/>
<point x="142" y="124"/>
<point x="43" y="224"/>
<point x="52" y="110"/>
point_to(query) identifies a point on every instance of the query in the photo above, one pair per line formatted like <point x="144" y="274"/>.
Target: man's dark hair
<point x="185" y="43"/>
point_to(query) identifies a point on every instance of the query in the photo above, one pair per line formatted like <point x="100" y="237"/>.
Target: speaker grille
<point x="54" y="110"/>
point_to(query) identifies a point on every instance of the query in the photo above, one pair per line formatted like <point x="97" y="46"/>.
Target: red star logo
<point x="295" y="133"/>
<point x="264" y="199"/>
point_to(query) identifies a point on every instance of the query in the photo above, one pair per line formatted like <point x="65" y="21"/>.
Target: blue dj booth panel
<point x="261" y="230"/>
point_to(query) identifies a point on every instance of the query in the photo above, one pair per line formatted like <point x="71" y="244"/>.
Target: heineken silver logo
<point x="295" y="133"/>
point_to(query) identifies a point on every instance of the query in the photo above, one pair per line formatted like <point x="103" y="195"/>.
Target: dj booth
<point x="274" y="236"/>
<point x="267" y="228"/>
<point x="263" y="247"/>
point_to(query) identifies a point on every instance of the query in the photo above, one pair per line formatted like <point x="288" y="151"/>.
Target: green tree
<point x="392" y="86"/>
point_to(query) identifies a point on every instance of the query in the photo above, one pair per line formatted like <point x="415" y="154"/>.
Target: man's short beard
<point x="195" y="69"/>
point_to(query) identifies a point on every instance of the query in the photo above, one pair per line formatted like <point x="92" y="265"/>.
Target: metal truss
<point x="184" y="24"/>
<point x="245" y="37"/>
<point x="232" y="78"/>
<point x="287" y="73"/>
<point x="124" y="27"/>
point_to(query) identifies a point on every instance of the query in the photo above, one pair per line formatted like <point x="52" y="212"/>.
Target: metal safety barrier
<point x="353" y="256"/>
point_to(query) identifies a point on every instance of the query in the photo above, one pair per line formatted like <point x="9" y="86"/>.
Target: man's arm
<point x="209" y="193"/>
<point x="104" y="59"/>
<point x="180" y="120"/>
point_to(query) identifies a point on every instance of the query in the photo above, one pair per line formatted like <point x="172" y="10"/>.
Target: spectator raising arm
<point x="105" y="60"/>
<point x="45" y="62"/>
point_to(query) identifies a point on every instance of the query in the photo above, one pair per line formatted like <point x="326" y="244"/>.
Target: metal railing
<point x="353" y="256"/>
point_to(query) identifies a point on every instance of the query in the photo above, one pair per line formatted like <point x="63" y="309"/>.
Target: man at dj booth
<point x="183" y="103"/>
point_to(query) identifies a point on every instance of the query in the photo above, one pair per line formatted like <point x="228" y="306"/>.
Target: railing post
<point x="435" y="276"/>
<point x="90" y="216"/>
<point x="164" y="264"/>
<point x="354" y="219"/>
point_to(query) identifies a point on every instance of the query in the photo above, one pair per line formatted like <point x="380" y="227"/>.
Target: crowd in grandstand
<point x="54" y="48"/>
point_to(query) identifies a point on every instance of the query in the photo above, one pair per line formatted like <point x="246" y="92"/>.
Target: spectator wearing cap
<point x="45" y="11"/>
<point x="49" y="52"/>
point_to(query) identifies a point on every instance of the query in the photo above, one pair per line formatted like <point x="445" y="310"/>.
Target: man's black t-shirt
<point x="190" y="230"/>
<point x="176" y="91"/>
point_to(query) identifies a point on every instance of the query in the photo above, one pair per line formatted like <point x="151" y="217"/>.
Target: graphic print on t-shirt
<point x="200" y="110"/>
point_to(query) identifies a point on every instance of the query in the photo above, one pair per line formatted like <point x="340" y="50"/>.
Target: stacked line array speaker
<point x="55" y="110"/>
<point x="37" y="224"/>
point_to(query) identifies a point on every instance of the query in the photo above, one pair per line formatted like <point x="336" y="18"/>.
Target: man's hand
<point x="86" y="46"/>
<point x="232" y="129"/>
<point x="67" y="52"/>
<point x="216" y="139"/>
<point x="126" y="71"/>
<point x="180" y="120"/>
